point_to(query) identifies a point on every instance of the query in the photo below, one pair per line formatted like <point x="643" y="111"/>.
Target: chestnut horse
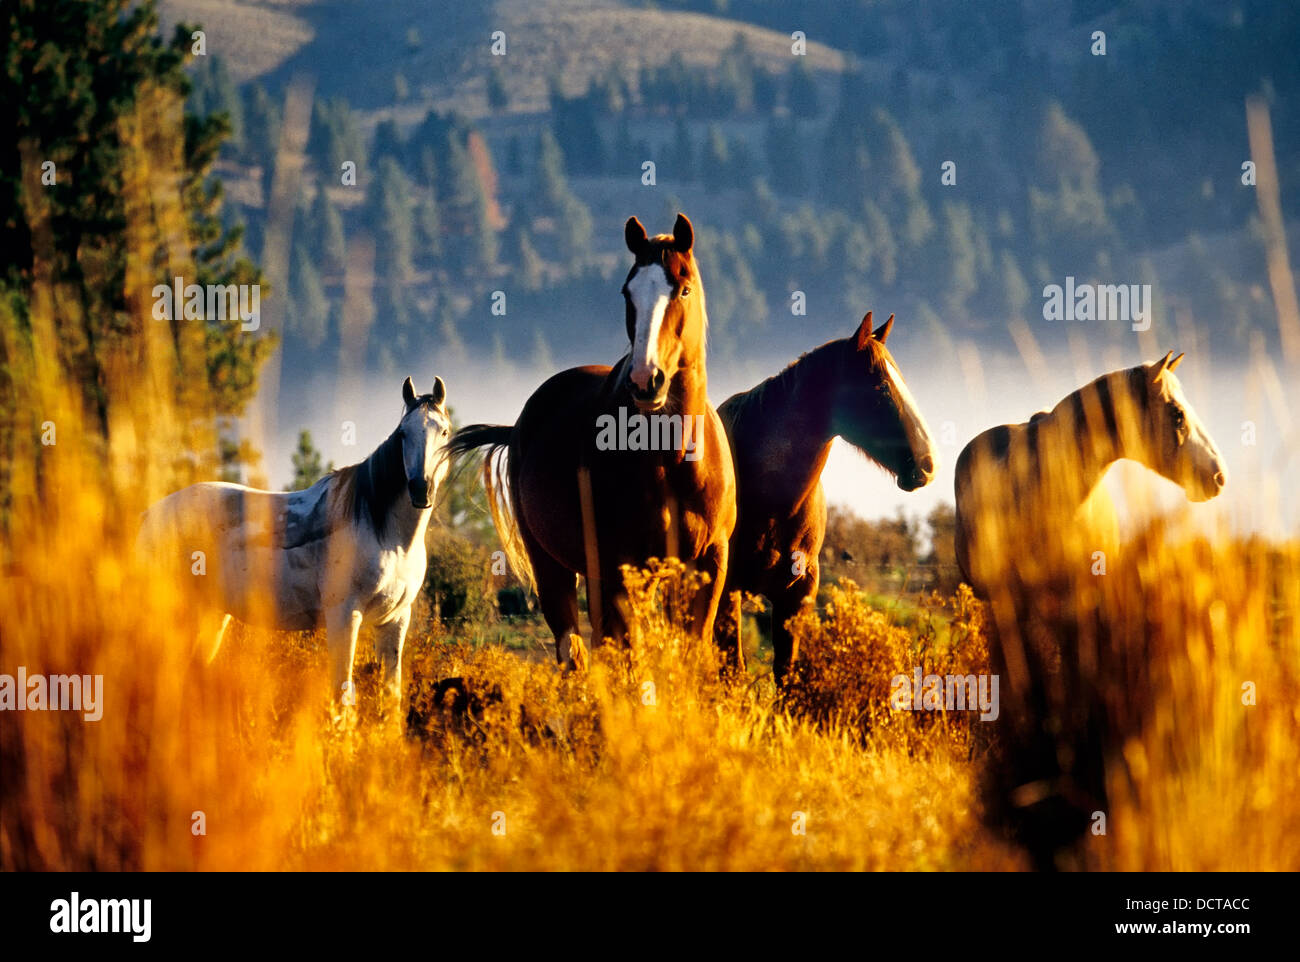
<point x="612" y="466"/>
<point x="781" y="433"/>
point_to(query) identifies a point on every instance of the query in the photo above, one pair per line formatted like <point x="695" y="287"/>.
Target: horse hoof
<point x="578" y="658"/>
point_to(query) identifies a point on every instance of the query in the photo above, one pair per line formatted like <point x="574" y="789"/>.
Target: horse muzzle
<point x="922" y="473"/>
<point x="419" y="492"/>
<point x="1211" y="487"/>
<point x="649" y="389"/>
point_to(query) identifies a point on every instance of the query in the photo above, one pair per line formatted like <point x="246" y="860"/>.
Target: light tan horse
<point x="1025" y="491"/>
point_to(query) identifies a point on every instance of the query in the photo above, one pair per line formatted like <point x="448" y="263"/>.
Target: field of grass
<point x="647" y="761"/>
<point x="1173" y="702"/>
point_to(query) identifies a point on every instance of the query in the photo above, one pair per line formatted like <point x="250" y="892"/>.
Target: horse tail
<point x="501" y="494"/>
<point x="474" y="436"/>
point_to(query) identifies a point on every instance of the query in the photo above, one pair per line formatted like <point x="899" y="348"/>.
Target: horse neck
<point x="691" y="388"/>
<point x="396" y="522"/>
<point x="1085" y="426"/>
<point x="691" y="383"/>
<point x="406" y="525"/>
<point x="796" y="412"/>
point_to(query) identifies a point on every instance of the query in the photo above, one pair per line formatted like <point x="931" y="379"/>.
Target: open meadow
<point x="648" y="760"/>
<point x="230" y="228"/>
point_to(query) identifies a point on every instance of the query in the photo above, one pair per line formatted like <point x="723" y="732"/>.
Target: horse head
<point x="425" y="430"/>
<point x="876" y="413"/>
<point x="666" y="322"/>
<point x="1176" y="443"/>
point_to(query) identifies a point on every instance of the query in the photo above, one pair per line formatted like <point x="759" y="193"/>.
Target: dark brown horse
<point x="613" y="466"/>
<point x="781" y="433"/>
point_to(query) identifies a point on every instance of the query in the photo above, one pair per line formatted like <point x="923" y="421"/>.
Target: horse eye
<point x="685" y="291"/>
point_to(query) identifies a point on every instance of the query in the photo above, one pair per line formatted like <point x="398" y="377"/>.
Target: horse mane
<point x="1126" y="386"/>
<point x="370" y="488"/>
<point x="777" y="389"/>
<point x="820" y="365"/>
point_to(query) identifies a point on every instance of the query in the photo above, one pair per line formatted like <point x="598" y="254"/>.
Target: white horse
<point x="346" y="552"/>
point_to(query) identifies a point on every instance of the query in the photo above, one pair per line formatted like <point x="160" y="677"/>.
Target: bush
<point x="850" y="653"/>
<point x="456" y="582"/>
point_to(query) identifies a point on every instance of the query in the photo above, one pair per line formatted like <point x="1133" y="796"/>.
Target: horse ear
<point x="683" y="234"/>
<point x="864" y="332"/>
<point x="408" y="393"/>
<point x="439" y="391"/>
<point x="635" y="235"/>
<point x="1176" y="361"/>
<point x="1158" y="369"/>
<point x="885" y="328"/>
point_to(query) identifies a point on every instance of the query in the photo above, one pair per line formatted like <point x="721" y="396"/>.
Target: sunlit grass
<point x="601" y="771"/>
<point x="651" y="759"/>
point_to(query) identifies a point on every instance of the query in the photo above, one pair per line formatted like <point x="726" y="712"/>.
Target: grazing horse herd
<point x="734" y="492"/>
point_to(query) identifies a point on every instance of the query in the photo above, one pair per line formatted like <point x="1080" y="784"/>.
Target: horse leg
<point x="726" y="630"/>
<point x="341" y="629"/>
<point x="785" y="605"/>
<point x="557" y="594"/>
<point x="609" y="620"/>
<point x="212" y="630"/>
<point x="391" y="638"/>
<point x="704" y="609"/>
<point x="784" y="647"/>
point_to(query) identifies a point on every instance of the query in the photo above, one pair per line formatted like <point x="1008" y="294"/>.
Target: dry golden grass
<point x="648" y="761"/>
<point x="601" y="771"/>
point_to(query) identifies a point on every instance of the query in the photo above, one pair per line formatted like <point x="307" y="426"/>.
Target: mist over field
<point x="1223" y="394"/>
<point x="944" y="162"/>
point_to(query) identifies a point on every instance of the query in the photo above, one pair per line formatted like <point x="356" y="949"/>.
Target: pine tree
<point x="90" y="86"/>
<point x="335" y="138"/>
<point x="329" y="246"/>
<point x="1014" y="288"/>
<point x="226" y="100"/>
<point x="428" y="224"/>
<point x="552" y="186"/>
<point x="683" y="156"/>
<point x="262" y="125"/>
<point x="306" y="461"/>
<point x="531" y="266"/>
<point x="233" y="357"/>
<point x="389" y="142"/>
<point x="716" y="161"/>
<point x="310" y="314"/>
<point x="389" y="208"/>
<point x="801" y="93"/>
<point x="785" y="157"/>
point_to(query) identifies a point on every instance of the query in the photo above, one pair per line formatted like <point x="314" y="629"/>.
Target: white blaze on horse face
<point x="649" y="290"/>
<point x="1208" y="470"/>
<point x="424" y="435"/>
<point x="918" y="432"/>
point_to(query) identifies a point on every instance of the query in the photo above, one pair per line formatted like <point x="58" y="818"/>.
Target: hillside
<point x="443" y="49"/>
